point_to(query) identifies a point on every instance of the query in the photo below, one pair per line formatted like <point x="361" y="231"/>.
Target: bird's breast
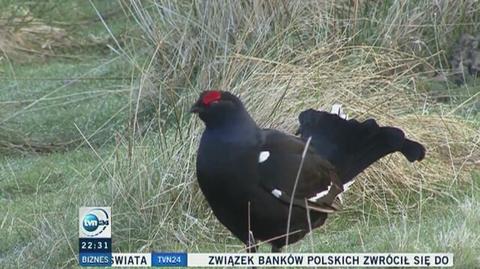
<point x="226" y="169"/>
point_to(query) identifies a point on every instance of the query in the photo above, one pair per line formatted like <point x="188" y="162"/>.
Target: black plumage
<point x="351" y="146"/>
<point x="247" y="174"/>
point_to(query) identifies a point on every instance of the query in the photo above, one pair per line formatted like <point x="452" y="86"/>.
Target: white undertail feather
<point x="337" y="109"/>
<point x="320" y="194"/>
<point x="346" y="186"/>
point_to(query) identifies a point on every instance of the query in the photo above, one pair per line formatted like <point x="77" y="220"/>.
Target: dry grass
<point x="21" y="35"/>
<point x="29" y="30"/>
<point x="283" y="57"/>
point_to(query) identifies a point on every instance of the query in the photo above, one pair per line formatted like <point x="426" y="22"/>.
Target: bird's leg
<point x="276" y="249"/>
<point x="252" y="245"/>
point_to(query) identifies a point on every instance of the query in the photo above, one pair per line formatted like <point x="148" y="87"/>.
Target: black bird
<point x="261" y="182"/>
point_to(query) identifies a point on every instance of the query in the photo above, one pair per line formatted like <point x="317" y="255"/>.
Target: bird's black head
<point x="218" y="108"/>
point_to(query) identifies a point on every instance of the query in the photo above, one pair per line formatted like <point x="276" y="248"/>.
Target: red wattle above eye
<point x="211" y="96"/>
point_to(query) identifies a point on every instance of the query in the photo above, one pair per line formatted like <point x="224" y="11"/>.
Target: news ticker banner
<point x="95" y="249"/>
<point x="164" y="259"/>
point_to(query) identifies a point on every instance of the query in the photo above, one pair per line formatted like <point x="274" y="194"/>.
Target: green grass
<point x="432" y="225"/>
<point x="39" y="197"/>
<point x="46" y="101"/>
<point x="67" y="139"/>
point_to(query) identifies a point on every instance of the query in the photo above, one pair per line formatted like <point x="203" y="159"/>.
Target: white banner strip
<point x="320" y="259"/>
<point x="131" y="259"/>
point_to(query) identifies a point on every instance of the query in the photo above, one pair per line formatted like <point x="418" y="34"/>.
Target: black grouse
<point x="261" y="182"/>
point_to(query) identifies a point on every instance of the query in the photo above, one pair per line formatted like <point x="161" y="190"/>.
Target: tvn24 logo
<point x="95" y="222"/>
